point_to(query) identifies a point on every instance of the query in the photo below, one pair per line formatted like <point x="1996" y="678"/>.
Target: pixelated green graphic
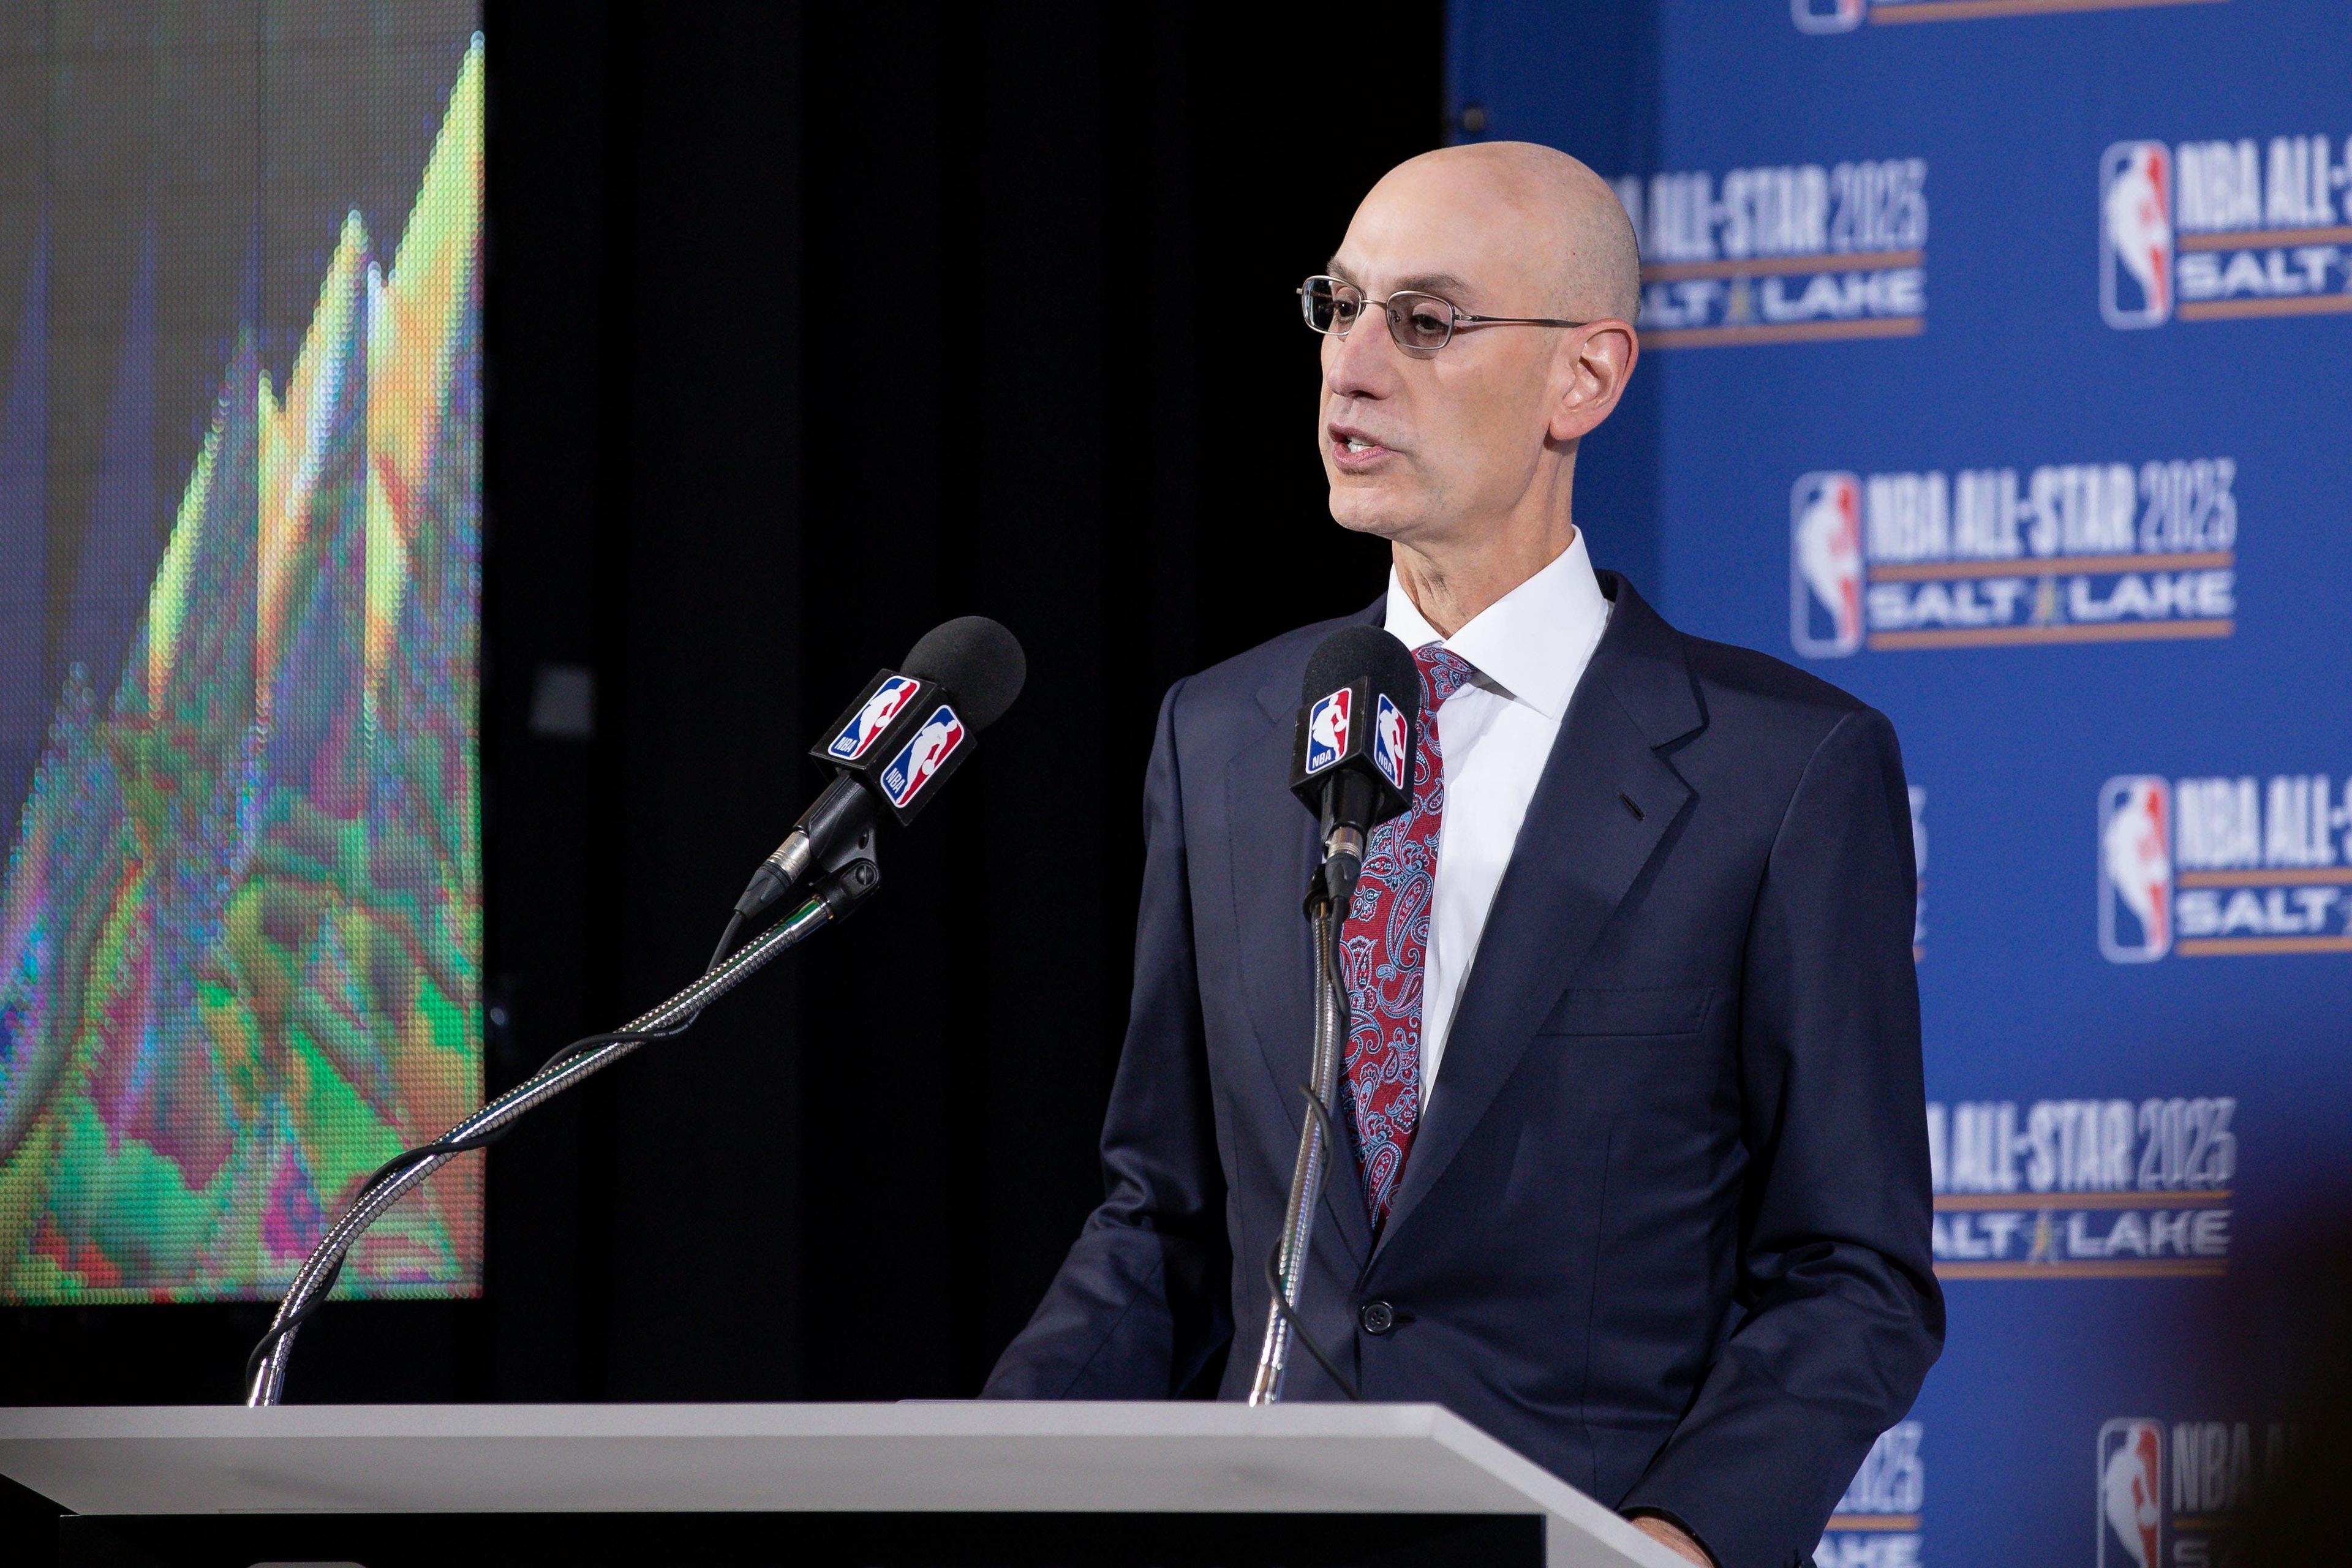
<point x="240" y="926"/>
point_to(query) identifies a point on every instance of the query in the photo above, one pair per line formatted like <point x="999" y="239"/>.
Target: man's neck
<point x="1450" y="588"/>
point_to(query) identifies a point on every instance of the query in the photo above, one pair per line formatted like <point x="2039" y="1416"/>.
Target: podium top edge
<point x="914" y="1418"/>
<point x="986" y="1456"/>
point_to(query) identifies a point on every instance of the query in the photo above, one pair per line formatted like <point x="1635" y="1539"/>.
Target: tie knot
<point x="1443" y="673"/>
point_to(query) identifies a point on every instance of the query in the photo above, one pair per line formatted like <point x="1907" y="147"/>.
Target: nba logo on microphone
<point x="2136" y="869"/>
<point x="1327" y="730"/>
<point x="1827" y="15"/>
<point x="913" y="768"/>
<point x="2136" y="241"/>
<point x="1388" y="742"/>
<point x="1825" y="572"/>
<point x="862" y="732"/>
<point x="2131" y="1499"/>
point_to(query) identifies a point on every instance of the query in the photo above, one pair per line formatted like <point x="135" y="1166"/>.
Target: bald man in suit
<point x="1637" y="1175"/>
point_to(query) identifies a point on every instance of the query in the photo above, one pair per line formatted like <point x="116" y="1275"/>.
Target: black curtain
<point x="809" y="328"/>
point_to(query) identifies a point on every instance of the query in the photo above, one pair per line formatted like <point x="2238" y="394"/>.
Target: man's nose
<point x="1364" y="363"/>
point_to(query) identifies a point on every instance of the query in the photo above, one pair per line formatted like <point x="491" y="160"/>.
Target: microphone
<point x="1358" y="720"/>
<point x="895" y="744"/>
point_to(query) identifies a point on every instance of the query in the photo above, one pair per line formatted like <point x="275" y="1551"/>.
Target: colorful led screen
<point x="240" y="561"/>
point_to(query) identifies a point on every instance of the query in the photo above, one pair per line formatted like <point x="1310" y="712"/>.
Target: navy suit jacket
<point x="1663" y="1228"/>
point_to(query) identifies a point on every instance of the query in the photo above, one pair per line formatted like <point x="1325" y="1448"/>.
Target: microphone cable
<point x="1281" y="1302"/>
<point x="442" y="1147"/>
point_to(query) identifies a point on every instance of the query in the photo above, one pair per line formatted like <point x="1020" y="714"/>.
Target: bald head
<point x="1463" y="454"/>
<point x="1546" y="217"/>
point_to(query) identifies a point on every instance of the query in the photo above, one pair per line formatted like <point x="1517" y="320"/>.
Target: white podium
<point x="869" y="1483"/>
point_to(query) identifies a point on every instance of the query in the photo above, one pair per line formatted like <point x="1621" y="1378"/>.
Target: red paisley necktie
<point x="1383" y="945"/>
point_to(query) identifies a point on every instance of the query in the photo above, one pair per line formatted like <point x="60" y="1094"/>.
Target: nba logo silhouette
<point x="1327" y="730"/>
<point x="1388" y="742"/>
<point x="2134" y="869"/>
<point x="1825" y="565"/>
<point x="2136" y="233"/>
<point x="2131" y="1505"/>
<point x="1827" y="15"/>
<point x="859" y="735"/>
<point x="913" y="767"/>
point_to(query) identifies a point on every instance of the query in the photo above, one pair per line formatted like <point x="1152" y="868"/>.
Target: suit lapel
<point x="1579" y="853"/>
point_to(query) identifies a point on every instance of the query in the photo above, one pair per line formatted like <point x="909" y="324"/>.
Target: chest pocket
<point x="1661" y="1010"/>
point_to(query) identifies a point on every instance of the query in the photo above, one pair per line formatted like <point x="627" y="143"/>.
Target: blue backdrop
<point x="1997" y="365"/>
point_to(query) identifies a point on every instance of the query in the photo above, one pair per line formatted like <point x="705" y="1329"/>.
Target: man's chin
<point x="1364" y="511"/>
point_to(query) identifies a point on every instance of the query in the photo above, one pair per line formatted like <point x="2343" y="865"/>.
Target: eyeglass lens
<point x="1416" y="320"/>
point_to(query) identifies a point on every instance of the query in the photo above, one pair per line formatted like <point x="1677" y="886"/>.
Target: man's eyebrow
<point x="1445" y="283"/>
<point x="1452" y="288"/>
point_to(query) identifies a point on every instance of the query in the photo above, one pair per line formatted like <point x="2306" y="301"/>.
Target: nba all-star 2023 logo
<point x="2226" y="865"/>
<point x="1845" y="15"/>
<point x="1787" y="253"/>
<point x="1877" y="1521"/>
<point x="2225" y="229"/>
<point x="2081" y="1189"/>
<point x="2006" y="554"/>
<point x="2170" y="1493"/>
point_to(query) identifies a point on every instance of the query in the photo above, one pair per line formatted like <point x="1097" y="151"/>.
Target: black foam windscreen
<point x="978" y="660"/>
<point x="1359" y="653"/>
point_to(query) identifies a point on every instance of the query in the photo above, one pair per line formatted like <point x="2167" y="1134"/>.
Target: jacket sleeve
<point x="1142" y="1303"/>
<point x="1839" y="1314"/>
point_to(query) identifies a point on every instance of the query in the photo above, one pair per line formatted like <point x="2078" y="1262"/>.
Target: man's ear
<point x="1597" y="362"/>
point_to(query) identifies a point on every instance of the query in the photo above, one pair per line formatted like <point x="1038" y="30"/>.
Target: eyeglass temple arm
<point x="1462" y="316"/>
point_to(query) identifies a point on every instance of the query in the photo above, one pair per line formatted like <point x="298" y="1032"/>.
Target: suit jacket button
<point x="1378" y="1317"/>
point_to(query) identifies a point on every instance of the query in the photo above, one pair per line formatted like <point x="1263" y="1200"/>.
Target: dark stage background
<point x="808" y="329"/>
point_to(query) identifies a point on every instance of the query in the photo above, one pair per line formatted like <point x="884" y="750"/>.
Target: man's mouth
<point x="1354" y="450"/>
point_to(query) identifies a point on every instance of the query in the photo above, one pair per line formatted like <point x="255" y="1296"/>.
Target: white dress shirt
<point x="1529" y="648"/>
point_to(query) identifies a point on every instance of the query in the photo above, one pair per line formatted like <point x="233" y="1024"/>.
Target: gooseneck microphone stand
<point x="842" y="886"/>
<point x="1318" y="1135"/>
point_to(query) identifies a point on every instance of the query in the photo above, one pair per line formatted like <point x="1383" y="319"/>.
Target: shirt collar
<point x="1534" y="642"/>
